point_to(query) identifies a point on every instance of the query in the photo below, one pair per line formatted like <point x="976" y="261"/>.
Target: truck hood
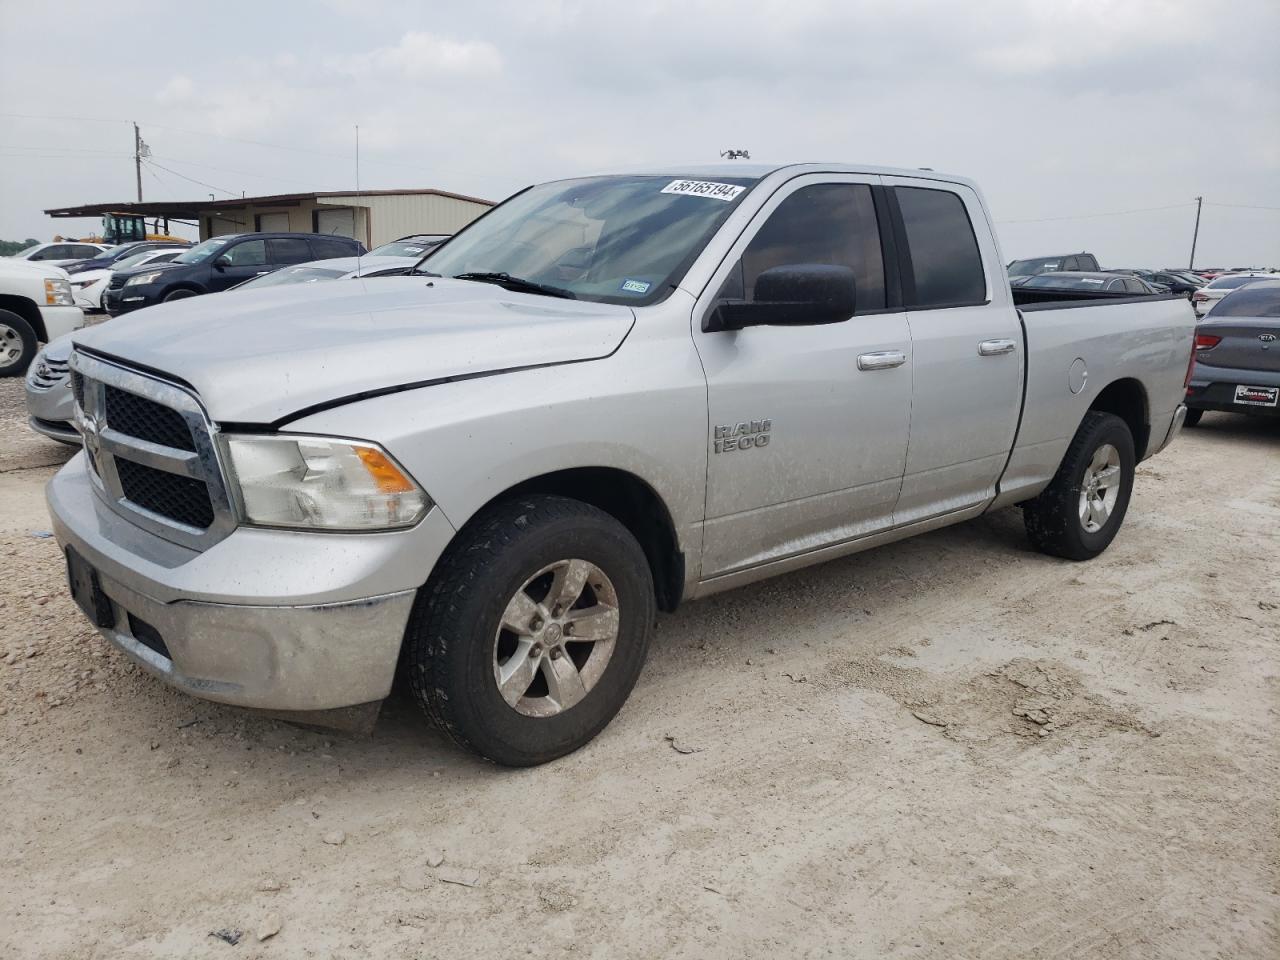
<point x="263" y="356"/>
<point x="29" y="268"/>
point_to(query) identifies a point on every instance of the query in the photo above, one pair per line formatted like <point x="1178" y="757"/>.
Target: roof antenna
<point x="359" y="245"/>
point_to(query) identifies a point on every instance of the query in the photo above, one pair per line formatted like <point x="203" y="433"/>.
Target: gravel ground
<point x="951" y="747"/>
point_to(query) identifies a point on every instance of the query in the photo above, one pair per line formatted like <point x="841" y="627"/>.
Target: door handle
<point x="994" y="348"/>
<point x="883" y="360"/>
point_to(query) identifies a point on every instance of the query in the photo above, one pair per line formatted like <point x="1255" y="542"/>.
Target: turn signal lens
<point x="385" y="474"/>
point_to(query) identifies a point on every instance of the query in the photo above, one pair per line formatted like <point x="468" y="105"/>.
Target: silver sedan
<point x="50" y="405"/>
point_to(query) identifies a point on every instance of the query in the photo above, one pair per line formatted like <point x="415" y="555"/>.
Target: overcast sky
<point x="1058" y="109"/>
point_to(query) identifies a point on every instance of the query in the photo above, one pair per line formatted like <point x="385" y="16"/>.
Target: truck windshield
<point x="624" y="239"/>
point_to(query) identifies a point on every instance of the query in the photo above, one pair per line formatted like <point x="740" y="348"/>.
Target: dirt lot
<point x="947" y="748"/>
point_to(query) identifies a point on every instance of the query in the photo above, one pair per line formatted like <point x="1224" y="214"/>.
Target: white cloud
<point x="421" y="56"/>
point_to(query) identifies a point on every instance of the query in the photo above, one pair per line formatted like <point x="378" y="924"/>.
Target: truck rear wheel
<point x="17" y="344"/>
<point x="1079" y="513"/>
<point x="533" y="630"/>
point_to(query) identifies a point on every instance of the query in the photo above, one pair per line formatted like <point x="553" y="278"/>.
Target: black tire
<point x="1053" y="519"/>
<point x="180" y="294"/>
<point x="16" y="333"/>
<point x="452" y="634"/>
<point x="1193" y="417"/>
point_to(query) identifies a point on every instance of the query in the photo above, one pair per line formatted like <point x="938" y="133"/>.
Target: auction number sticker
<point x="704" y="188"/>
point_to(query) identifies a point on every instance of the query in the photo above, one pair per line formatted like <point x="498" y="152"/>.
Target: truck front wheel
<point x="17" y="344"/>
<point x="1079" y="513"/>
<point x="532" y="631"/>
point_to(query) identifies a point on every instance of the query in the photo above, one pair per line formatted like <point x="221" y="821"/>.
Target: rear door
<point x="282" y="251"/>
<point x="808" y="424"/>
<point x="967" y="349"/>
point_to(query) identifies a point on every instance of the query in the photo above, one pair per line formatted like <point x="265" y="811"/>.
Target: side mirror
<point x="222" y="262"/>
<point x="804" y="294"/>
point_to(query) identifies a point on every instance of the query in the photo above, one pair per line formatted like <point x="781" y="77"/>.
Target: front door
<point x="244" y="260"/>
<point x="967" y="350"/>
<point x="808" y="424"/>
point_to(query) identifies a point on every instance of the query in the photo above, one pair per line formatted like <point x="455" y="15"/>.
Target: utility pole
<point x="1196" y="235"/>
<point x="137" y="158"/>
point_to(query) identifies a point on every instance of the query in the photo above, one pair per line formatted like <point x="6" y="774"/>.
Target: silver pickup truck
<point x="604" y="397"/>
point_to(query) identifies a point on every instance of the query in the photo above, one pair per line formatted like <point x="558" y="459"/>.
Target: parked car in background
<point x="113" y="255"/>
<point x="1217" y="288"/>
<point x="1099" y="282"/>
<point x="219" y="263"/>
<point x="1237" y="360"/>
<point x="341" y="268"/>
<point x="605" y="396"/>
<point x="36" y="306"/>
<point x="51" y="406"/>
<point x="59" y="253"/>
<point x="415" y="245"/>
<point x="1173" y="282"/>
<point x="1069" y="261"/>
<point x="89" y="285"/>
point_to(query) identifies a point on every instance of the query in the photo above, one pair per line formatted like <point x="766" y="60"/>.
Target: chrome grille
<point x="152" y="452"/>
<point x="45" y="374"/>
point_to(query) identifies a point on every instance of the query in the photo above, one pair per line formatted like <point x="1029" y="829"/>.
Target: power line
<point x="183" y="176"/>
<point x="241" y="173"/>
<point x="1239" y="206"/>
<point x="1091" y="216"/>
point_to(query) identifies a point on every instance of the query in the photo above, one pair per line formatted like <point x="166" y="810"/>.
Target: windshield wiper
<point x="517" y="283"/>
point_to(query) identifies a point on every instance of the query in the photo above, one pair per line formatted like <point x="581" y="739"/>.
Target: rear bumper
<point x="1214" y="388"/>
<point x="1175" y="427"/>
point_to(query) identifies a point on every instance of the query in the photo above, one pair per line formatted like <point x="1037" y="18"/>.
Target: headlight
<point x="57" y="293"/>
<point x="142" y="278"/>
<point x="322" y="483"/>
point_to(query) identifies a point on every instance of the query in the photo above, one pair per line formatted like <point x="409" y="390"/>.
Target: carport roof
<point x="187" y="209"/>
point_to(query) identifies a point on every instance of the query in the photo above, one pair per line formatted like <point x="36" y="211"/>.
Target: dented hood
<point x="263" y="356"/>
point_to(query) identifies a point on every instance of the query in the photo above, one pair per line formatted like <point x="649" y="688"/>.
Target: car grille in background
<point x="147" y="420"/>
<point x="181" y="499"/>
<point x="47" y="374"/>
<point x="77" y="388"/>
<point x="117" y="281"/>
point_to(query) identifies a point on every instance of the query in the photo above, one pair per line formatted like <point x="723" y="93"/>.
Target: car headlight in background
<point x="322" y="483"/>
<point x="57" y="293"/>
<point x="142" y="278"/>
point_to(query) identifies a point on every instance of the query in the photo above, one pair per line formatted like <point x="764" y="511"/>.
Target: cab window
<point x="833" y="224"/>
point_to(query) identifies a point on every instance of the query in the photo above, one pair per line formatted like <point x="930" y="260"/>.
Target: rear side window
<point x="828" y="223"/>
<point x="945" y="263"/>
<point x="326" y="248"/>
<point x="288" y="250"/>
<point x="251" y="253"/>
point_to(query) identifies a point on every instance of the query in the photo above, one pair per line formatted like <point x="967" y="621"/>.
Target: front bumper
<point x="59" y="321"/>
<point x="51" y="410"/>
<point x="276" y="620"/>
<point x="123" y="300"/>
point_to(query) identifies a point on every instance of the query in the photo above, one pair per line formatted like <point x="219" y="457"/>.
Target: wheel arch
<point x="28" y="311"/>
<point x="1127" y="399"/>
<point x="629" y="500"/>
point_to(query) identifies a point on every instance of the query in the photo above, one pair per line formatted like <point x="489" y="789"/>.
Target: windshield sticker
<point x="704" y="188"/>
<point x="636" y="286"/>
